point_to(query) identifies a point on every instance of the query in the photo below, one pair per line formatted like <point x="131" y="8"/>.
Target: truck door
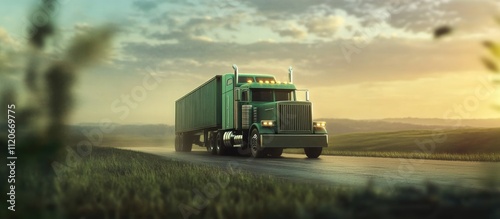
<point x="227" y="102"/>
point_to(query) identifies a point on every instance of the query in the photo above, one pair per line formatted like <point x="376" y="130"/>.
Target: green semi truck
<point x="248" y="114"/>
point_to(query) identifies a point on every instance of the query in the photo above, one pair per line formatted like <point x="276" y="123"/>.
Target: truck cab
<point x="261" y="116"/>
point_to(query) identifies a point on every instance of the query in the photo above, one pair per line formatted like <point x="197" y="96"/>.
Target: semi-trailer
<point x="250" y="114"/>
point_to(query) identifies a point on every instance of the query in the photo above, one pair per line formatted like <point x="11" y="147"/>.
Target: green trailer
<point x="248" y="114"/>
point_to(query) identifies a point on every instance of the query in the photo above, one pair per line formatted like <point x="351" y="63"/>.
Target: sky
<point x="360" y="59"/>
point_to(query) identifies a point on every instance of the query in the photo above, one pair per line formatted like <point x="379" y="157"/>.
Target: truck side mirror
<point x="302" y="92"/>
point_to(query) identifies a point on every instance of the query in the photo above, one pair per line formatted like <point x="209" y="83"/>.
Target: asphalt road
<point x="352" y="171"/>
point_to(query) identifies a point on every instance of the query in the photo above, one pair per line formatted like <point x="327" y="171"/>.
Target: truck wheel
<point x="244" y="151"/>
<point x="313" y="152"/>
<point x="255" y="148"/>
<point x="177" y="144"/>
<point x="211" y="148"/>
<point x="187" y="143"/>
<point x="275" y="152"/>
<point x="219" y="145"/>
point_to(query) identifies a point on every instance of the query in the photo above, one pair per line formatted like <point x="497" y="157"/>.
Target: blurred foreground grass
<point x="114" y="183"/>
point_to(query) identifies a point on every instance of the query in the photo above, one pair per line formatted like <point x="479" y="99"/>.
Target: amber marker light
<point x="319" y="124"/>
<point x="267" y="123"/>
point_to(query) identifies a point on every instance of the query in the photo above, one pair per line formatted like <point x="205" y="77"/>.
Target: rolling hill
<point x="459" y="141"/>
<point x="479" y="123"/>
<point x="344" y="126"/>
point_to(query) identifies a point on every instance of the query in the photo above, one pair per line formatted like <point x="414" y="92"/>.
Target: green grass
<point x="460" y="144"/>
<point x="113" y="183"/>
<point x="124" y="140"/>
<point x="493" y="157"/>
<point x="458" y="141"/>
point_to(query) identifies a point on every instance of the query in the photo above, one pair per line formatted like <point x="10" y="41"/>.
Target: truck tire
<point x="313" y="152"/>
<point x="244" y="151"/>
<point x="255" y="148"/>
<point x="219" y="145"/>
<point x="187" y="143"/>
<point x="211" y="147"/>
<point x="275" y="152"/>
<point x="177" y="143"/>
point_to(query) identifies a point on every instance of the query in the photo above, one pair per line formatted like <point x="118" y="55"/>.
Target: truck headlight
<point x="267" y="123"/>
<point x="319" y="124"/>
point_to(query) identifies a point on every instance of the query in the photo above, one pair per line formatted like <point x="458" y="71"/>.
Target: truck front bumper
<point x="293" y="141"/>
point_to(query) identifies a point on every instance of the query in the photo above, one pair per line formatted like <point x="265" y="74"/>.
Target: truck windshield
<point x="268" y="95"/>
<point x="282" y="95"/>
<point x="262" y="95"/>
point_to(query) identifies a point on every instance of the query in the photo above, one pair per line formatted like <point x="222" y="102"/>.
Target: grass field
<point x="484" y="157"/>
<point x="460" y="141"/>
<point x="460" y="144"/>
<point x="113" y="183"/>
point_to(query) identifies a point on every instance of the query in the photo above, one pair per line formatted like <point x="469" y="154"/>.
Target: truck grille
<point x="294" y="117"/>
<point x="246" y="119"/>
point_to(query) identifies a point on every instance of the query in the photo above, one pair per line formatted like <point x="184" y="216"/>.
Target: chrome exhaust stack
<point x="290" y="75"/>
<point x="235" y="68"/>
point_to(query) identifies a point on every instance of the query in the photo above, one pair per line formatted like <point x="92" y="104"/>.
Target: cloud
<point x="194" y="36"/>
<point x="293" y="32"/>
<point x="425" y="15"/>
<point x="145" y="6"/>
<point x="196" y="28"/>
<point x="285" y="8"/>
<point x="82" y="27"/>
<point x="319" y="64"/>
<point x="408" y="15"/>
<point x="191" y="41"/>
<point x="474" y="15"/>
<point x="324" y="26"/>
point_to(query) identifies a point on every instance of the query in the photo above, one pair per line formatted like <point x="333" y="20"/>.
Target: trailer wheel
<point x="177" y="143"/>
<point x="187" y="143"/>
<point x="219" y="145"/>
<point x="275" y="152"/>
<point x="313" y="152"/>
<point x="211" y="147"/>
<point x="255" y="148"/>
